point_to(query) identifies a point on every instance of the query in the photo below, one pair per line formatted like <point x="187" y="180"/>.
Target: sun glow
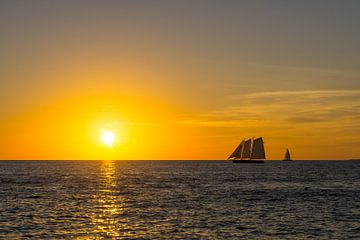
<point x="108" y="138"/>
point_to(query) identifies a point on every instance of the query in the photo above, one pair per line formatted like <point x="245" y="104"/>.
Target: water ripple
<point x="179" y="200"/>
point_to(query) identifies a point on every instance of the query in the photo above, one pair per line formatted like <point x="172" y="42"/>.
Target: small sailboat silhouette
<point x="287" y="156"/>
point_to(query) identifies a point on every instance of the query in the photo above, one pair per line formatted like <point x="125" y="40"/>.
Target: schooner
<point x="249" y="151"/>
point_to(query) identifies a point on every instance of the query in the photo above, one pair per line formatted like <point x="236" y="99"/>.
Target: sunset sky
<point x="179" y="79"/>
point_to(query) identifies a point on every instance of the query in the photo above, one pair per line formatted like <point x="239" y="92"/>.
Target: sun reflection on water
<point x="109" y="204"/>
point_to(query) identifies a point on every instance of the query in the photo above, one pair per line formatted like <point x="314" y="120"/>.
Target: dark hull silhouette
<point x="248" y="161"/>
<point x="287" y="160"/>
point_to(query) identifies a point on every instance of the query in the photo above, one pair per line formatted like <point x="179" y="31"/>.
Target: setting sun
<point x="108" y="138"/>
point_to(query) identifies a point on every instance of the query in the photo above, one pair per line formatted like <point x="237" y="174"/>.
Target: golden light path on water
<point x="106" y="220"/>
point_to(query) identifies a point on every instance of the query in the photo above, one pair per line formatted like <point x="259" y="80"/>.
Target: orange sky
<point x="178" y="84"/>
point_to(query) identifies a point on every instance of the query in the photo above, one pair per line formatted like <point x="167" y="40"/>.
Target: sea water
<point x="179" y="200"/>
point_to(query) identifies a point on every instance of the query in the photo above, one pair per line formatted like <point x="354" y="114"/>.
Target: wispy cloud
<point x="285" y="106"/>
<point x="312" y="94"/>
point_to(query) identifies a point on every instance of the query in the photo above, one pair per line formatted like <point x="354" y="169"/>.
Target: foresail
<point x="258" y="151"/>
<point x="247" y="149"/>
<point x="237" y="152"/>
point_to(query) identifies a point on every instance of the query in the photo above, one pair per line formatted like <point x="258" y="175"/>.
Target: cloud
<point x="315" y="94"/>
<point x="286" y="107"/>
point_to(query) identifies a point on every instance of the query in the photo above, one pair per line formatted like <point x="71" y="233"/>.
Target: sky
<point x="179" y="79"/>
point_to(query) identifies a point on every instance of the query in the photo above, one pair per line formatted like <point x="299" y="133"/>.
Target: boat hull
<point x="247" y="161"/>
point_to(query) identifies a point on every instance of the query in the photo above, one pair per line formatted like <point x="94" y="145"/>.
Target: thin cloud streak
<point x="307" y="94"/>
<point x="286" y="107"/>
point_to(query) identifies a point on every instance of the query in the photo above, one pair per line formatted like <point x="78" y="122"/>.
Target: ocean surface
<point x="179" y="200"/>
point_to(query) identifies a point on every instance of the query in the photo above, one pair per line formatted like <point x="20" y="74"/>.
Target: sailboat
<point x="287" y="156"/>
<point x="249" y="151"/>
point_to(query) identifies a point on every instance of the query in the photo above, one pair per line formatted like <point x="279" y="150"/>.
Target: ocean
<point x="179" y="200"/>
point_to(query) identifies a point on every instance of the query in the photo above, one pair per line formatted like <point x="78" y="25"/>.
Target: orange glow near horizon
<point x="131" y="128"/>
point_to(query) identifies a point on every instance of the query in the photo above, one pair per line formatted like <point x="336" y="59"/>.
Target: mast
<point x="242" y="149"/>
<point x="252" y="147"/>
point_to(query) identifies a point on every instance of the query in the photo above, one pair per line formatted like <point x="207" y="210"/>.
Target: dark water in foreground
<point x="179" y="199"/>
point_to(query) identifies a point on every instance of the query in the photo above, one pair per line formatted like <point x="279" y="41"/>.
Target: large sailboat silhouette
<point x="249" y="151"/>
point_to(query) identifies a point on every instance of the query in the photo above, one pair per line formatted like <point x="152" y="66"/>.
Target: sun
<point x="108" y="138"/>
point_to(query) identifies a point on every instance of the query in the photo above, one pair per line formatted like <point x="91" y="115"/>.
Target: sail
<point x="247" y="149"/>
<point x="287" y="155"/>
<point x="258" y="151"/>
<point x="237" y="152"/>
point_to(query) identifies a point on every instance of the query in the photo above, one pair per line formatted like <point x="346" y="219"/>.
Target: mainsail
<point x="247" y="149"/>
<point x="287" y="155"/>
<point x="238" y="151"/>
<point x="258" y="151"/>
